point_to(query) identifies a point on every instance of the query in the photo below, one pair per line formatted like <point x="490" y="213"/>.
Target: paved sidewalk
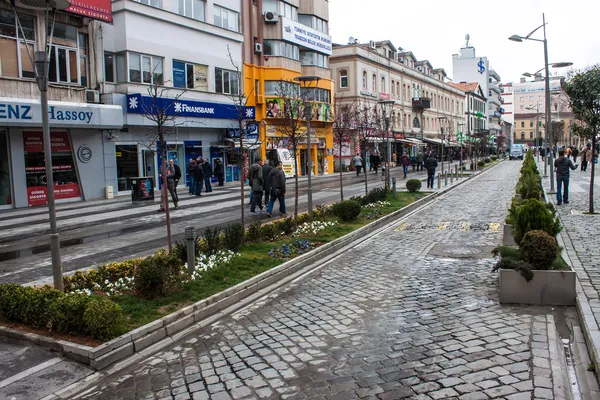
<point x="409" y="313"/>
<point x="581" y="237"/>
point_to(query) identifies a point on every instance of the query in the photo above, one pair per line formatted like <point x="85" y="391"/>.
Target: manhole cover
<point x="454" y="251"/>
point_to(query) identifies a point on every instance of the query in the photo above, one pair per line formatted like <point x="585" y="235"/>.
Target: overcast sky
<point x="435" y="29"/>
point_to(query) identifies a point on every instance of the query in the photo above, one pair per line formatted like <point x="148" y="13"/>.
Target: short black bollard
<point x="190" y="237"/>
<point x="394" y="187"/>
<point x="446" y="179"/>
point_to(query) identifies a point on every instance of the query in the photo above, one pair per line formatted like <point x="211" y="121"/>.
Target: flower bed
<point x="313" y="228"/>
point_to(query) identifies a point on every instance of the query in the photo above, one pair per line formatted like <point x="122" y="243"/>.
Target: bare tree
<point x="344" y="123"/>
<point x="292" y="112"/>
<point x="368" y="122"/>
<point x="240" y="144"/>
<point x="160" y="111"/>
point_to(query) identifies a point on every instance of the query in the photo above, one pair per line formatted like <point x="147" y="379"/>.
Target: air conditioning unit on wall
<point x="92" y="96"/>
<point x="271" y="17"/>
<point x="258" y="47"/>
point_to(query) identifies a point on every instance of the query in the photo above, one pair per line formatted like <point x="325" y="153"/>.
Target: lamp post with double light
<point x="518" y="38"/>
<point x="537" y="126"/>
<point x="40" y="59"/>
<point x="305" y="82"/>
<point x="387" y="106"/>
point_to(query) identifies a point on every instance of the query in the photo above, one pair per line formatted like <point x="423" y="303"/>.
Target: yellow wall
<point x="323" y="130"/>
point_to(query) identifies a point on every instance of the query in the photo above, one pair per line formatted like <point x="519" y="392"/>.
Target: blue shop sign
<point x="138" y="104"/>
<point x="251" y="132"/>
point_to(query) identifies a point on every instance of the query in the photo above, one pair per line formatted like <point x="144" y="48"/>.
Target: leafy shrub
<point x="359" y="199"/>
<point x="346" y="210"/>
<point x="269" y="232"/>
<point x="212" y="240"/>
<point x="321" y="211"/>
<point x="521" y="266"/>
<point x="487" y="160"/>
<point x="377" y="194"/>
<point x="494" y="158"/>
<point x="539" y="249"/>
<point x="180" y="249"/>
<point x="533" y="215"/>
<point x="254" y="231"/>
<point x="13" y="302"/>
<point x="412" y="185"/>
<point x="481" y="163"/>
<point x="158" y="275"/>
<point x="109" y="272"/>
<point x="39" y="301"/>
<point x="233" y="236"/>
<point x="103" y="318"/>
<point x="67" y="312"/>
<point x="304" y="218"/>
<point x="529" y="186"/>
<point x="286" y="226"/>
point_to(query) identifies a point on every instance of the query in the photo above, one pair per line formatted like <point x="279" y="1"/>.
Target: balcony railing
<point x="421" y="102"/>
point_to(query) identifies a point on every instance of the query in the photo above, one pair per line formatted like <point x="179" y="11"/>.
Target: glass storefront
<point x="5" y="195"/>
<point x="127" y="165"/>
<point x="66" y="184"/>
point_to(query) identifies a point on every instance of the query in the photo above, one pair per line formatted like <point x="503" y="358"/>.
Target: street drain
<point x="461" y="251"/>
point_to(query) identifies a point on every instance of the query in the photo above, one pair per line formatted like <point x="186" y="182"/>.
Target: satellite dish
<point x="351" y="40"/>
<point x="43" y="4"/>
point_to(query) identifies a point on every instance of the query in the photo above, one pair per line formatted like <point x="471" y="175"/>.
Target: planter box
<point x="555" y="288"/>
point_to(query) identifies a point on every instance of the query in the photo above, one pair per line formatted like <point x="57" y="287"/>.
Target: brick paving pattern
<point x="410" y="313"/>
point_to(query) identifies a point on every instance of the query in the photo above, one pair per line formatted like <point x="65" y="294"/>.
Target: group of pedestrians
<point x="565" y="163"/>
<point x="269" y="182"/>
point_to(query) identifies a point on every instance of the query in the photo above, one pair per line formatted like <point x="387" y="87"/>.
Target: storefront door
<point x="148" y="164"/>
<point x="5" y="192"/>
<point x="127" y="165"/>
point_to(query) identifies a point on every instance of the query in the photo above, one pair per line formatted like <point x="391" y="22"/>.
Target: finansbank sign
<point x="305" y="36"/>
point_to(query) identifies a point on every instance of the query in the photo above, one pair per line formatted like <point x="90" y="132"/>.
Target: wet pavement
<point x="409" y="313"/>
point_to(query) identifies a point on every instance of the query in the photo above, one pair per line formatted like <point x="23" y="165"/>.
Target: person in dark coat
<point x="198" y="177"/>
<point x="177" y="171"/>
<point x="219" y="171"/>
<point x="430" y="165"/>
<point x="257" y="184"/>
<point x="276" y="180"/>
<point x="208" y="173"/>
<point x="266" y="169"/>
<point x="164" y="197"/>
<point x="563" y="165"/>
<point x="191" y="168"/>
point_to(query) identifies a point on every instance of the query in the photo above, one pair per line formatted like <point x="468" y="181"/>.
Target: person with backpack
<point x="562" y="166"/>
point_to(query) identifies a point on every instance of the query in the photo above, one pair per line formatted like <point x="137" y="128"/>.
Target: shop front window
<point x="66" y="184"/>
<point x="127" y="165"/>
<point x="5" y="195"/>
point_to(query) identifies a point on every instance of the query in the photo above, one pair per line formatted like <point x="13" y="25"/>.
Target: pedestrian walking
<point x="266" y="169"/>
<point x="430" y="164"/>
<point x="177" y="172"/>
<point x="256" y="183"/>
<point x="405" y="161"/>
<point x="219" y="171"/>
<point x="276" y="180"/>
<point x="198" y="177"/>
<point x="357" y="161"/>
<point x="191" y="167"/>
<point x="164" y="197"/>
<point x="586" y="157"/>
<point x="562" y="166"/>
<point x="208" y="173"/>
<point x="420" y="159"/>
<point x="575" y="153"/>
<point x="376" y="162"/>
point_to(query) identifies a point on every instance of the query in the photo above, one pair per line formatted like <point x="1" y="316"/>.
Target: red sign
<point x="34" y="142"/>
<point x="94" y="9"/>
<point x="38" y="195"/>
<point x="385" y="96"/>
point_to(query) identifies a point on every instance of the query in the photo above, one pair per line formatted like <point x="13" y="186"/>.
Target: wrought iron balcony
<point x="421" y="102"/>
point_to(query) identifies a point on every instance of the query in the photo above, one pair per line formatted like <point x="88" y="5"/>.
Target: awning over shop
<point x="249" y="144"/>
<point x="433" y="141"/>
<point x="414" y="142"/>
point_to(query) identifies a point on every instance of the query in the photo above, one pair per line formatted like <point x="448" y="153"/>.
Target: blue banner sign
<point x="138" y="104"/>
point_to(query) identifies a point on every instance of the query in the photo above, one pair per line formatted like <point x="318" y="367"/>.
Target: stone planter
<point x="556" y="288"/>
<point x="507" y="238"/>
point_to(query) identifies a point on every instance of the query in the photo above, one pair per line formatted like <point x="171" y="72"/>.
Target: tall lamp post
<point x="537" y="125"/>
<point x="387" y="106"/>
<point x="43" y="40"/>
<point x="305" y="81"/>
<point x="518" y="38"/>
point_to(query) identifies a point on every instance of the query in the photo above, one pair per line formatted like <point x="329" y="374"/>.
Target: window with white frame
<point x="314" y="22"/>
<point x="225" y="18"/>
<point x="191" y="8"/>
<point x="68" y="56"/>
<point x="343" y="78"/>
<point x="316" y="94"/>
<point x="145" y="69"/>
<point x="282" y="89"/>
<point x="383" y="85"/>
<point x="374" y="82"/>
<point x="14" y="56"/>
<point x="153" y="3"/>
<point x="190" y="76"/>
<point x="110" y="66"/>
<point x="281" y="49"/>
<point x="288" y="11"/>
<point x="227" y="82"/>
<point x="314" y="59"/>
<point x="364" y="80"/>
<point x="84" y="65"/>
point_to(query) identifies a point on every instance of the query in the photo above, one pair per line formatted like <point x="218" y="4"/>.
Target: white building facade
<point x="193" y="49"/>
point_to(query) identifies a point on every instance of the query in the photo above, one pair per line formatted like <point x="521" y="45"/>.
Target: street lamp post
<point x="387" y="106"/>
<point x="306" y="80"/>
<point x="518" y="38"/>
<point x="537" y="126"/>
<point x="41" y="63"/>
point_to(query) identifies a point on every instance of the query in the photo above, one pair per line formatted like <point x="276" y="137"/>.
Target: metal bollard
<point x="446" y="179"/>
<point x="451" y="177"/>
<point x="394" y="187"/>
<point x="190" y="238"/>
<point x="456" y="171"/>
<point x="439" y="181"/>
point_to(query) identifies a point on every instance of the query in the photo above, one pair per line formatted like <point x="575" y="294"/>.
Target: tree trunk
<point x="341" y="174"/>
<point x="165" y="192"/>
<point x="593" y="172"/>
<point x="365" y="168"/>
<point x="296" y="182"/>
<point x="242" y="187"/>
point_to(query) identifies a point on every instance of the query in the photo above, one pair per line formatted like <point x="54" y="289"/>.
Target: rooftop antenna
<point x="467" y="38"/>
<point x="351" y="40"/>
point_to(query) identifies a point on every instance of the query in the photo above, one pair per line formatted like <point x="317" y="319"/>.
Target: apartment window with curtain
<point x="227" y="82"/>
<point x="145" y="69"/>
<point x="190" y="76"/>
<point x="12" y="42"/>
<point x="313" y="22"/>
<point x="227" y="19"/>
<point x="288" y="11"/>
<point x="191" y="8"/>
<point x="314" y="59"/>
<point x="278" y="48"/>
<point x="64" y="57"/>
<point x="84" y="66"/>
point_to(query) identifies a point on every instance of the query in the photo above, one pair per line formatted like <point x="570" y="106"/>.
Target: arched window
<point x="416" y="123"/>
<point x="364" y="81"/>
<point x="393" y="88"/>
<point x="398" y="94"/>
<point x="383" y="84"/>
<point x="374" y="82"/>
<point x="343" y="78"/>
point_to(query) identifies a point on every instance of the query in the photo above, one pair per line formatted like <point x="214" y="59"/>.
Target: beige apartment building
<point x="427" y="110"/>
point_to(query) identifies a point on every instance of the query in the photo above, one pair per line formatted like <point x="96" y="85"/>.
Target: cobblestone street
<point x="412" y="312"/>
